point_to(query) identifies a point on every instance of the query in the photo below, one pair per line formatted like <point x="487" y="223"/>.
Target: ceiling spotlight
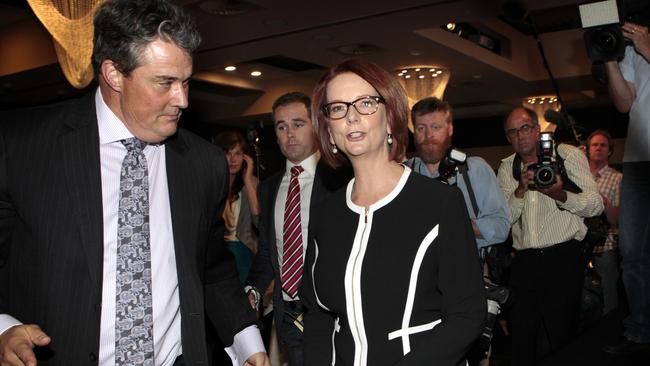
<point x="256" y="73"/>
<point x="451" y="26"/>
<point x="407" y="76"/>
<point x="421" y="76"/>
<point x="230" y="68"/>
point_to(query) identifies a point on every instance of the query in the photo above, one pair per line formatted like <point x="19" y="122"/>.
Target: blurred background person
<point x="242" y="208"/>
<point x="600" y="147"/>
<point x="629" y="89"/>
<point x="394" y="276"/>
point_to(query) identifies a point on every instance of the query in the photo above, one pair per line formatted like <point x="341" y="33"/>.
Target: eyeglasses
<point x="524" y="130"/>
<point x="365" y="105"/>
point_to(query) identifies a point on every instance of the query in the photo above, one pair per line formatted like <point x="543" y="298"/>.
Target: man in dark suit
<point x="111" y="247"/>
<point x="273" y="261"/>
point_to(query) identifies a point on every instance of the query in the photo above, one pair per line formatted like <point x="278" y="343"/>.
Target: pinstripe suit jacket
<point x="51" y="233"/>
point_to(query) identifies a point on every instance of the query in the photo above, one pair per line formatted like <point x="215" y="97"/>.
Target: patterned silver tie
<point x="133" y="303"/>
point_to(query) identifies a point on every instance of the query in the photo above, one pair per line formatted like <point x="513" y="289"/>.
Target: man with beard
<point x="488" y="210"/>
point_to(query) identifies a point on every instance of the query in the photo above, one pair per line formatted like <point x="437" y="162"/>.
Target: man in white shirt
<point x="629" y="88"/>
<point x="112" y="243"/>
<point x="547" y="229"/>
<point x="297" y="140"/>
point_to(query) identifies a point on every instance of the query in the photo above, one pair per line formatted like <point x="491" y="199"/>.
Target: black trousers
<point x="547" y="284"/>
<point x="290" y="335"/>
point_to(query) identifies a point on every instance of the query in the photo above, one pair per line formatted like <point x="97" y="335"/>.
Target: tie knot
<point x="133" y="144"/>
<point x="296" y="170"/>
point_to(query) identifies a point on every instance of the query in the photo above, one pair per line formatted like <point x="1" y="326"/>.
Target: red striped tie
<point x="292" y="237"/>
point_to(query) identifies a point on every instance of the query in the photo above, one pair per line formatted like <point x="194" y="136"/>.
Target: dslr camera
<point x="450" y="162"/>
<point x="547" y="167"/>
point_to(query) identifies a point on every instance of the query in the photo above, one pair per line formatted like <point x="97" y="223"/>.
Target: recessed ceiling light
<point x="416" y="53"/>
<point x="230" y="68"/>
<point x="407" y="76"/>
<point x="256" y="73"/>
<point x="421" y="76"/>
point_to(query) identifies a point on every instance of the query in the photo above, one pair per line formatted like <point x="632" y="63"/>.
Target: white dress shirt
<point x="306" y="180"/>
<point x="166" y="305"/>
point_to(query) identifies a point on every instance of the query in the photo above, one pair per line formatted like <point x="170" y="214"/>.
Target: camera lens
<point x="606" y="41"/>
<point x="544" y="176"/>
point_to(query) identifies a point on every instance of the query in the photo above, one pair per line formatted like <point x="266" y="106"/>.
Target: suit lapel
<point x="182" y="213"/>
<point x="79" y="143"/>
<point x="274" y="187"/>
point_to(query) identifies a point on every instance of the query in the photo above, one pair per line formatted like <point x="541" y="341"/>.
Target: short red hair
<point x="386" y="85"/>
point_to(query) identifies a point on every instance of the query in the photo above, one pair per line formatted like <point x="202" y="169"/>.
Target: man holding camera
<point x="629" y="88"/>
<point x="488" y="210"/>
<point x="547" y="270"/>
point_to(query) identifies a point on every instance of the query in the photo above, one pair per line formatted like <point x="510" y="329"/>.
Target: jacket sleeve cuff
<point x="246" y="343"/>
<point x="7" y="321"/>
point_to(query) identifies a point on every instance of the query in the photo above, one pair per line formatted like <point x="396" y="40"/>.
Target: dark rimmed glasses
<point x="366" y="105"/>
<point x="524" y="130"/>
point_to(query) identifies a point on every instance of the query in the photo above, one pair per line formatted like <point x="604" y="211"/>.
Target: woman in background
<point x="392" y="274"/>
<point x="242" y="208"/>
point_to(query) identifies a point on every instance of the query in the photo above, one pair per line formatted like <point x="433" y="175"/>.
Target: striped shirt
<point x="539" y="221"/>
<point x="608" y="180"/>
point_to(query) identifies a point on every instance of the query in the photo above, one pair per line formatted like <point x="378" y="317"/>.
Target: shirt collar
<point x="309" y="164"/>
<point x="602" y="170"/>
<point x="111" y="128"/>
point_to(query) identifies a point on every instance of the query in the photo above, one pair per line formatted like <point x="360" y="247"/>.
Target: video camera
<point x="450" y="162"/>
<point x="603" y="38"/>
<point x="547" y="167"/>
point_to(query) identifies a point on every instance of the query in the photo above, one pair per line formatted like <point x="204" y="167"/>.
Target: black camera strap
<point x="462" y="168"/>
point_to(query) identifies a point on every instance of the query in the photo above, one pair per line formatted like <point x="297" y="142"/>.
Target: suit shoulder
<point x="49" y="116"/>
<point x="430" y="192"/>
<point x="333" y="178"/>
<point x="270" y="180"/>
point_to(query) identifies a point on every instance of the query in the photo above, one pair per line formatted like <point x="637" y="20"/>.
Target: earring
<point x="334" y="149"/>
<point x="390" y="139"/>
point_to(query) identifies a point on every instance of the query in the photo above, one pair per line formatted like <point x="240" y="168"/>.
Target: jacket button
<point x="92" y="357"/>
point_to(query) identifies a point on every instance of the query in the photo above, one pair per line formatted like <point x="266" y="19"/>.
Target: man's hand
<point x="638" y="35"/>
<point x="555" y="191"/>
<point x="17" y="342"/>
<point x="527" y="177"/>
<point x="248" y="177"/>
<point x="258" y="359"/>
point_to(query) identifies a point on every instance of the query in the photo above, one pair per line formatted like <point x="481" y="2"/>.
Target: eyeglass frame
<point x="378" y="98"/>
<point x="525" y="130"/>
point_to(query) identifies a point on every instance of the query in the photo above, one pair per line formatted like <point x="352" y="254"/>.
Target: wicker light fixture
<point x="423" y="81"/>
<point x="70" y="22"/>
